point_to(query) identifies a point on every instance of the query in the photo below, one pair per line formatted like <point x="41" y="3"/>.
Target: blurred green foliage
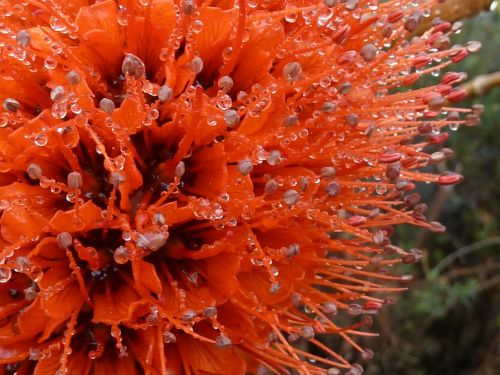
<point x="449" y="321"/>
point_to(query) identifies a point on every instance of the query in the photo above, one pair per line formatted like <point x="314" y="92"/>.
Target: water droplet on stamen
<point x="121" y="255"/>
<point x="73" y="78"/>
<point x="11" y="105"/>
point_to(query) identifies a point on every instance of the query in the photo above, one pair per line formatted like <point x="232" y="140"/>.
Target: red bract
<point x="195" y="188"/>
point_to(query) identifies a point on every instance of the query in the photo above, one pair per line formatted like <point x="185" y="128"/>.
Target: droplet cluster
<point x="193" y="188"/>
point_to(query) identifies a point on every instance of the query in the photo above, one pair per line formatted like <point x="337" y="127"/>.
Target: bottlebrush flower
<point x="195" y="187"/>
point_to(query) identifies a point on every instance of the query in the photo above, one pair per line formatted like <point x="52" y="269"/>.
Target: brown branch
<point x="457" y="254"/>
<point x="454" y="10"/>
<point x="482" y="84"/>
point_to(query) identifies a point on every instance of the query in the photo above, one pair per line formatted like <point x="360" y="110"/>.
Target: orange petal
<point x="61" y="304"/>
<point x="88" y="217"/>
<point x="32" y="321"/>
<point x="77" y="362"/>
<point x="221" y="271"/>
<point x="257" y="56"/>
<point x="48" y="366"/>
<point x="110" y="364"/>
<point x="205" y="358"/>
<point x="116" y="306"/>
<point x="49" y="249"/>
<point x="133" y="181"/>
<point x="175" y="215"/>
<point x="128" y="115"/>
<point x="214" y="38"/>
<point x="209" y="171"/>
<point x="20" y="223"/>
<point x="145" y="276"/>
<point x="102" y="37"/>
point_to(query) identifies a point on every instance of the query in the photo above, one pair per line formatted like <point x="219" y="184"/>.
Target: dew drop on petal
<point x="11" y="105"/>
<point x="73" y="77"/>
<point x="121" y="255"/>
<point x="5" y="273"/>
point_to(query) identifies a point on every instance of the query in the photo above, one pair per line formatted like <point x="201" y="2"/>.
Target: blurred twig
<point x="454" y="10"/>
<point x="480" y="85"/>
<point x="448" y="260"/>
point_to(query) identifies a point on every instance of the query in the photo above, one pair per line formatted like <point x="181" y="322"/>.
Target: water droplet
<point x="197" y="26"/>
<point x="73" y="78"/>
<point x="50" y="63"/>
<point x="11" y="105"/>
<point x="121" y="16"/>
<point x="57" y="25"/>
<point x="59" y="110"/>
<point x="41" y="139"/>
<point x="5" y="273"/>
<point x="121" y="255"/>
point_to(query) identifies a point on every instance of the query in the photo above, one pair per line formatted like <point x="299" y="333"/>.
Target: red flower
<point x="191" y="188"/>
